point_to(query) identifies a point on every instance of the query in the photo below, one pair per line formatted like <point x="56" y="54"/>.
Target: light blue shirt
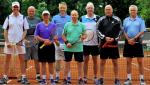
<point x="60" y="21"/>
<point x="133" y="26"/>
<point x="90" y="24"/>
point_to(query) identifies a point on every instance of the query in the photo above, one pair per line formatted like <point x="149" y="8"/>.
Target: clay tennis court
<point x="109" y="76"/>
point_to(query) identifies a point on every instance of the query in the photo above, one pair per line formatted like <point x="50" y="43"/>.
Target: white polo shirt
<point x="16" y="24"/>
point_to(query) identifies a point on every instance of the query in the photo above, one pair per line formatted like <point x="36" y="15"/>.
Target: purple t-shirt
<point x="46" y="32"/>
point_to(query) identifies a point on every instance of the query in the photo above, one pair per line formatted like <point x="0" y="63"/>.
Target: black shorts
<point x="93" y="50"/>
<point x="78" y="56"/>
<point x="133" y="50"/>
<point x="47" y="53"/>
<point x="111" y="53"/>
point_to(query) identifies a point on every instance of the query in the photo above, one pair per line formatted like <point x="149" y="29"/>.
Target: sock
<point x="51" y="76"/>
<point x="69" y="75"/>
<point x="37" y="74"/>
<point x="44" y="76"/>
<point x="23" y="76"/>
<point x="57" y="74"/>
<point x="5" y="76"/>
<point x="129" y="76"/>
<point x="141" y="77"/>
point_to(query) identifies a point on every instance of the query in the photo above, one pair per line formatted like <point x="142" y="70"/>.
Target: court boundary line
<point x="20" y="73"/>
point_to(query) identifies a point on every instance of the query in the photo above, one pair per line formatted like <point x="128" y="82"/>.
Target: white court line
<point x="147" y="69"/>
<point x="20" y="73"/>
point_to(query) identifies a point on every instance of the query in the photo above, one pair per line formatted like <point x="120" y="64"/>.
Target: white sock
<point x="51" y="76"/>
<point x="129" y="76"/>
<point x="69" y="74"/>
<point x="5" y="76"/>
<point x="44" y="76"/>
<point x="141" y="77"/>
<point x="57" y="74"/>
<point x="23" y="76"/>
<point x="37" y="74"/>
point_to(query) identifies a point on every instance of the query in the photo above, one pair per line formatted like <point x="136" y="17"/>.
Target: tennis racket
<point x="89" y="35"/>
<point x="109" y="45"/>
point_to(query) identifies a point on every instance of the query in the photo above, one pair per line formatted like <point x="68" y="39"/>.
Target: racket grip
<point x="42" y="46"/>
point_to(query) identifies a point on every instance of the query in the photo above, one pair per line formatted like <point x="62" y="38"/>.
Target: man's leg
<point x="141" y="70"/>
<point x="115" y="65"/>
<point x="129" y="68"/>
<point x="102" y="68"/>
<point x="115" y="68"/>
<point x="23" y="68"/>
<point x="37" y="68"/>
<point x="95" y="67"/>
<point x="6" y="69"/>
<point x="43" y="68"/>
<point x="85" y="67"/>
<point x="51" y="71"/>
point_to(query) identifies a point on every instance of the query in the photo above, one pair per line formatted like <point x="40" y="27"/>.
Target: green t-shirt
<point x="73" y="33"/>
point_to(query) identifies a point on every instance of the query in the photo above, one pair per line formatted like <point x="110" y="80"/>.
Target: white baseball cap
<point x="15" y="4"/>
<point x="45" y="12"/>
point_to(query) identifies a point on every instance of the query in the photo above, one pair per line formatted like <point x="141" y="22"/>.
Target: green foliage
<point x="143" y="5"/>
<point x="41" y="7"/>
<point x="120" y="7"/>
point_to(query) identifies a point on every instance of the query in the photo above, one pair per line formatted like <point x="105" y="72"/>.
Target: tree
<point x="143" y="6"/>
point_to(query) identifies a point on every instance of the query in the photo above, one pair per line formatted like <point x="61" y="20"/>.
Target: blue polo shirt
<point x="133" y="26"/>
<point x="60" y="21"/>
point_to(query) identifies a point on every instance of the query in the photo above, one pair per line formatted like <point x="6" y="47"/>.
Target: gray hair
<point x="133" y="6"/>
<point x="89" y="4"/>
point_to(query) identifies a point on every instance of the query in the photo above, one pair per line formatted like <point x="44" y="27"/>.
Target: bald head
<point x="31" y="11"/>
<point x="108" y="10"/>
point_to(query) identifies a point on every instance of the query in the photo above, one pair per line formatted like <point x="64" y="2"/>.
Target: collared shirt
<point x="46" y="32"/>
<point x="73" y="33"/>
<point x="90" y="24"/>
<point x="60" y="21"/>
<point x="133" y="26"/>
<point x="16" y="26"/>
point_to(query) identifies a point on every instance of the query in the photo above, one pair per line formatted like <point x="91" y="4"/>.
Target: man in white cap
<point x="45" y="34"/>
<point x="15" y="27"/>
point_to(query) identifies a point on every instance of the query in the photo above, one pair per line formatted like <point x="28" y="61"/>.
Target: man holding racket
<point x="109" y="29"/>
<point x="45" y="33"/>
<point x="60" y="20"/>
<point x="15" y="28"/>
<point x="73" y="36"/>
<point x="31" y="42"/>
<point x="134" y="27"/>
<point x="90" y="44"/>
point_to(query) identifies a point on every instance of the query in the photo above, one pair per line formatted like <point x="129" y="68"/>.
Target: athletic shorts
<point x="132" y="51"/>
<point x="15" y="49"/>
<point x="78" y="56"/>
<point x="93" y="50"/>
<point x="31" y="53"/>
<point x="59" y="52"/>
<point x="47" y="53"/>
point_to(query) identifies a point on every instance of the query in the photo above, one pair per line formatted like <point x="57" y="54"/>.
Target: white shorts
<point x="15" y="49"/>
<point x="59" y="52"/>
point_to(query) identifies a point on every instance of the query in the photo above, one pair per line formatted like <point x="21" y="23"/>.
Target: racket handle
<point x="42" y="46"/>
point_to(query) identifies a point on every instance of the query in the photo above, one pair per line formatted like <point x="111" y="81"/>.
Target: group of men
<point x="46" y="41"/>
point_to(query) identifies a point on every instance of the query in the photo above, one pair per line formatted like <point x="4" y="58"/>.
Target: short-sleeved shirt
<point x="60" y="21"/>
<point x="133" y="26"/>
<point x="73" y="33"/>
<point x="90" y="24"/>
<point x="46" y="32"/>
<point x="30" y="32"/>
<point x="16" y="25"/>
